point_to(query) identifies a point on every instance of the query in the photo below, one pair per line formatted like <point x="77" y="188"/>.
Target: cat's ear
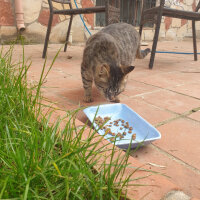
<point x="103" y="70"/>
<point x="127" y="69"/>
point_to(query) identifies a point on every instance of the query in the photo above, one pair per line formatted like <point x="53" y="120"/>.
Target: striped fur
<point x="107" y="60"/>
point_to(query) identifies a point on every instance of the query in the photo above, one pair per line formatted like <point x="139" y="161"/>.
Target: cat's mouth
<point x="112" y="98"/>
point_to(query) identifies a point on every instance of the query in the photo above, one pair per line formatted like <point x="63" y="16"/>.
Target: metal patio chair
<point x="155" y="15"/>
<point x="112" y="15"/>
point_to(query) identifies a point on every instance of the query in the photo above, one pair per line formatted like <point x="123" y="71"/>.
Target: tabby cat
<point x="107" y="60"/>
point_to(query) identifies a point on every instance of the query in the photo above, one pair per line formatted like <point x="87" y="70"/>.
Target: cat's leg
<point x="87" y="80"/>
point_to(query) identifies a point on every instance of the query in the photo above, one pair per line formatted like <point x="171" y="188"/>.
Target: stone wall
<point x="175" y="29"/>
<point x="36" y="14"/>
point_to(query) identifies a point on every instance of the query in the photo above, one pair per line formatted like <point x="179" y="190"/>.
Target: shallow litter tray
<point x="145" y="132"/>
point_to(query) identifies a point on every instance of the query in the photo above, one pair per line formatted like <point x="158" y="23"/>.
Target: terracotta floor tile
<point x="179" y="174"/>
<point x="64" y="82"/>
<point x="151" y="113"/>
<point x="76" y="96"/>
<point x="171" y="101"/>
<point x="195" y="115"/>
<point x="134" y="88"/>
<point x="191" y="89"/>
<point x="181" y="139"/>
<point x="59" y="101"/>
<point x="168" y="79"/>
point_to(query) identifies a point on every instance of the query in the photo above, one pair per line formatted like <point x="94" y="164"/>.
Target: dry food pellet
<point x="112" y="139"/>
<point x="134" y="136"/>
<point x="110" y="133"/>
<point x="100" y="121"/>
<point x="119" y="134"/>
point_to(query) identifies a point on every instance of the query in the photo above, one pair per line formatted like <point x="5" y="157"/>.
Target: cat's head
<point x="111" y="80"/>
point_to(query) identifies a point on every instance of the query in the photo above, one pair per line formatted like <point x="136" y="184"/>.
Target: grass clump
<point x="38" y="160"/>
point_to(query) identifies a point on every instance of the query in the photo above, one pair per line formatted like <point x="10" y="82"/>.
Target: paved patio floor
<point x="167" y="96"/>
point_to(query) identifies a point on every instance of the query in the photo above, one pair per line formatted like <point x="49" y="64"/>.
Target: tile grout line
<point x="166" y="89"/>
<point x="184" y="115"/>
<point x="178" y="115"/>
<point x="167" y="121"/>
<point x="176" y="159"/>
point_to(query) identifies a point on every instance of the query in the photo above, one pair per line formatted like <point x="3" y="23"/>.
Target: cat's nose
<point x="111" y="97"/>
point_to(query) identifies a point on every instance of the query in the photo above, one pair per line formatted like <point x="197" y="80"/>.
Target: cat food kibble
<point x="121" y="136"/>
<point x="118" y="124"/>
<point x="134" y="136"/>
<point x="112" y="139"/>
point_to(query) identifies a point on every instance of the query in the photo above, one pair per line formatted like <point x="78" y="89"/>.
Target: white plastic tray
<point x="145" y="132"/>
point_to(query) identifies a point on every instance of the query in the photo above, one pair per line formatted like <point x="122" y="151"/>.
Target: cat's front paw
<point x="87" y="99"/>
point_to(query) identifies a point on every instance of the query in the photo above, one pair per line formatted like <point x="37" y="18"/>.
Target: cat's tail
<point x="141" y="54"/>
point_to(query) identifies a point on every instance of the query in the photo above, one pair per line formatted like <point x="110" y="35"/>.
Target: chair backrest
<point x="115" y="3"/>
<point x="58" y="1"/>
<point x="162" y="3"/>
<point x="112" y="11"/>
<point x="62" y="1"/>
<point x="198" y="7"/>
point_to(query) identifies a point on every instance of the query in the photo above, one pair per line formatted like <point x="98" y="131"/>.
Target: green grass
<point x="38" y="160"/>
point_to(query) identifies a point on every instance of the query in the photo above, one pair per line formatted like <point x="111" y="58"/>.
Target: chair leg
<point x="140" y="31"/>
<point x="47" y="35"/>
<point x="68" y="33"/>
<point x="155" y="41"/>
<point x="194" y="40"/>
